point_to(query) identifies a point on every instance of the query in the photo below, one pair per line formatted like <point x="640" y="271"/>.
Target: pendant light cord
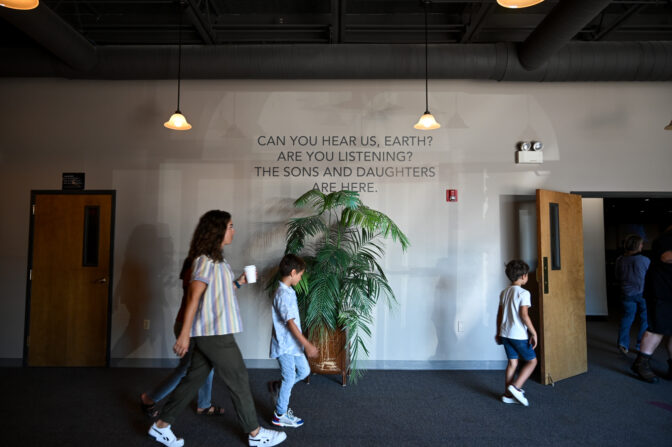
<point x="426" y="62"/>
<point x="179" y="54"/>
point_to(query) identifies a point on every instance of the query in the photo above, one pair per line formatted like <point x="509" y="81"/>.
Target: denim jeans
<point x="632" y="305"/>
<point x="168" y="384"/>
<point x="293" y="368"/>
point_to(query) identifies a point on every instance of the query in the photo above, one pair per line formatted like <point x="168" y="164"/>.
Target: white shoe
<point x="165" y="436"/>
<point x="509" y="400"/>
<point x="267" y="437"/>
<point x="518" y="394"/>
<point x="287" y="420"/>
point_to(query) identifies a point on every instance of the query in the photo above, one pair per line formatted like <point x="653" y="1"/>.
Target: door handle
<point x="101" y="280"/>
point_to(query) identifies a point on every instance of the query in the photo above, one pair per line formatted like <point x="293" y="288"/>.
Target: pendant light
<point x="20" y="4"/>
<point x="669" y="126"/>
<point x="178" y="121"/>
<point x="518" y="3"/>
<point x="426" y="121"/>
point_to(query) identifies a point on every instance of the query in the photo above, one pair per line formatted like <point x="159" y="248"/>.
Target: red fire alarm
<point x="451" y="195"/>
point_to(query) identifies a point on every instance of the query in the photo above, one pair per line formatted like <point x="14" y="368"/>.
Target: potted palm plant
<point x="341" y="242"/>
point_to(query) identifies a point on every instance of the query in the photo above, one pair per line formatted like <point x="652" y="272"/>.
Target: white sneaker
<point x="518" y="394"/>
<point x="267" y="437"/>
<point x="287" y="420"/>
<point x="509" y="400"/>
<point x="165" y="436"/>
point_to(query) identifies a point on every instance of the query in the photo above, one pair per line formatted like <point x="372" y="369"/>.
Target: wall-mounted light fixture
<point x="669" y="126"/>
<point x="178" y="121"/>
<point x="518" y="3"/>
<point x="426" y="121"/>
<point x="529" y="152"/>
<point x="20" y="4"/>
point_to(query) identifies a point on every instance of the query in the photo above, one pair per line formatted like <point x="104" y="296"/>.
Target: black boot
<point x="642" y="368"/>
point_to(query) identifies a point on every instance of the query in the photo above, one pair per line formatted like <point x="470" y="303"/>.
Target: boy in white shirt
<point x="287" y="342"/>
<point x="516" y="332"/>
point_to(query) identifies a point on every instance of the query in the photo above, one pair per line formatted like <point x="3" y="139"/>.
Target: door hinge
<point x="33" y="209"/>
<point x="30" y="275"/>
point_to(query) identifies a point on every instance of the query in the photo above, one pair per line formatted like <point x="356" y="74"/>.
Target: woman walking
<point x="211" y="318"/>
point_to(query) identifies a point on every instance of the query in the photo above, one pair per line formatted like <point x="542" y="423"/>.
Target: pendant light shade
<point x="426" y="121"/>
<point x="518" y="3"/>
<point x="20" y="4"/>
<point x="178" y="121"/>
<point x="669" y="126"/>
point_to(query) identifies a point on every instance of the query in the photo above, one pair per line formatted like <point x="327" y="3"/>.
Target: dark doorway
<point x="646" y="216"/>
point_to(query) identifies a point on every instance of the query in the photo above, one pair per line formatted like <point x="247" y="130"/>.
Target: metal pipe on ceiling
<point x="577" y="61"/>
<point x="566" y="19"/>
<point x="45" y="27"/>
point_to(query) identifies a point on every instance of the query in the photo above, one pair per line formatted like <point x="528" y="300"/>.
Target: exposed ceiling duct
<point x="557" y="29"/>
<point x="548" y="51"/>
<point x="50" y="31"/>
<point x="604" y="61"/>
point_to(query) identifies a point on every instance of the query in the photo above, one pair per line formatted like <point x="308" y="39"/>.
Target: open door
<point x="69" y="279"/>
<point x="562" y="307"/>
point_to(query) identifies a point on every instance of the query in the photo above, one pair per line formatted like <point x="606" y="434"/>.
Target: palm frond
<point x="374" y="221"/>
<point x="313" y="198"/>
<point x="300" y="229"/>
<point x="342" y="246"/>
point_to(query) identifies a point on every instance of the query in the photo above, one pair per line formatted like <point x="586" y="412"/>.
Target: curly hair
<point x="208" y="236"/>
<point x="516" y="269"/>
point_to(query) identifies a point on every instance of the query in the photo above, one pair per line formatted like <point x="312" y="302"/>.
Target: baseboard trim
<point x="364" y="364"/>
<point x="11" y="362"/>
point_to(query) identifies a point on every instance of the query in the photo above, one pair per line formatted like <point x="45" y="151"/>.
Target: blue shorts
<point x="515" y="348"/>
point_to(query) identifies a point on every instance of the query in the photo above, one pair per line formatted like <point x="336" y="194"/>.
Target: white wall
<point x="594" y="263"/>
<point x="596" y="137"/>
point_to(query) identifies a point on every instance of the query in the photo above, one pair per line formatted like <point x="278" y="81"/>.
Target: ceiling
<point x="630" y="210"/>
<point x="85" y="35"/>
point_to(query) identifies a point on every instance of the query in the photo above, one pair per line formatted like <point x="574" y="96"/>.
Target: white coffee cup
<point x="251" y="274"/>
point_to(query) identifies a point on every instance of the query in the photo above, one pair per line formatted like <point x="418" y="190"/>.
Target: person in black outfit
<point x="658" y="295"/>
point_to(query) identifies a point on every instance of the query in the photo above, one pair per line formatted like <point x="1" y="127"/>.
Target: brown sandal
<point x="214" y="410"/>
<point x="149" y="410"/>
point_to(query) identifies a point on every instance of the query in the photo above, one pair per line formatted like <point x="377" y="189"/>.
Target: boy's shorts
<point x="515" y="348"/>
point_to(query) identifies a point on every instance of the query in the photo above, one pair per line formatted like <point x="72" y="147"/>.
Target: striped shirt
<point x="217" y="312"/>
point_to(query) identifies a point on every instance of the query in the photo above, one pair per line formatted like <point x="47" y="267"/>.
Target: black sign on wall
<point x="73" y="181"/>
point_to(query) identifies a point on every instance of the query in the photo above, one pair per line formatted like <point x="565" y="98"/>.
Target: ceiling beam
<point x="202" y="24"/>
<point x="477" y="20"/>
<point x="46" y="28"/>
<point x="619" y="21"/>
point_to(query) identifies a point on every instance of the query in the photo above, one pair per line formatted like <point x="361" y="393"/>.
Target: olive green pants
<point x="221" y="353"/>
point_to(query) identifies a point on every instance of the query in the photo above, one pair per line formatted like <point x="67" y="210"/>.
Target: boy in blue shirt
<point x="516" y="332"/>
<point x="287" y="341"/>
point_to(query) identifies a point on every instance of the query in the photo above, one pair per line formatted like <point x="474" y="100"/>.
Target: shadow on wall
<point x="445" y="309"/>
<point x="143" y="291"/>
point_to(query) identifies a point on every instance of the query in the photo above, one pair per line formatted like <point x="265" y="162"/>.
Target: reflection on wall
<point x="354" y="132"/>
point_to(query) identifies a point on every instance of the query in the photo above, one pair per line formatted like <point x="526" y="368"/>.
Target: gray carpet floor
<point x="606" y="406"/>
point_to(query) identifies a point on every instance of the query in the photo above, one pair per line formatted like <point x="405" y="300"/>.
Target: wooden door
<point x="69" y="279"/>
<point x="562" y="307"/>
